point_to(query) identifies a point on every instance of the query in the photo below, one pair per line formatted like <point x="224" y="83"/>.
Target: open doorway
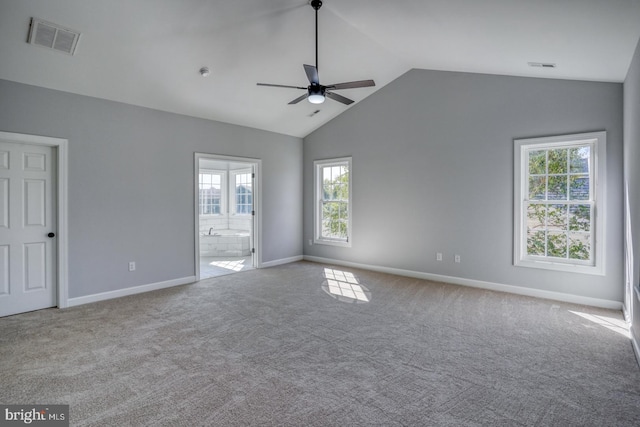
<point x="226" y="211"/>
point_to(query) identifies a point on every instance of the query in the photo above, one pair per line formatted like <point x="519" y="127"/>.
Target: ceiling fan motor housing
<point x="316" y="4"/>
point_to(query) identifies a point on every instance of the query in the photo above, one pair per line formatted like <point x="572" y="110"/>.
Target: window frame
<point x="318" y="166"/>
<point x="223" y="183"/>
<point x="597" y="140"/>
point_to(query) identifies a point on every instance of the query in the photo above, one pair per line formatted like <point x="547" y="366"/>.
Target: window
<point x="210" y="193"/>
<point x="243" y="194"/>
<point x="559" y="202"/>
<point x="222" y="191"/>
<point x="333" y="202"/>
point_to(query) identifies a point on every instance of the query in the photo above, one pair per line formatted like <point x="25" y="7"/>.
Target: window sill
<point x="559" y="266"/>
<point x="339" y="243"/>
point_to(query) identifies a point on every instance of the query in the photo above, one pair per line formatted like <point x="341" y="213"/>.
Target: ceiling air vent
<point x="53" y="36"/>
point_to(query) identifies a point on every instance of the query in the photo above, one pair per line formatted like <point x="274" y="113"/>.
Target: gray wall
<point x="433" y="171"/>
<point x="632" y="180"/>
<point x="131" y="183"/>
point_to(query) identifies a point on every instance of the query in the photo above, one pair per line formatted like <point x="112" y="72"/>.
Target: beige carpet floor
<point x="306" y="344"/>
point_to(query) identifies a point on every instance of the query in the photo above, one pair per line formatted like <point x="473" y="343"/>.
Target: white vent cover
<point x="53" y="36"/>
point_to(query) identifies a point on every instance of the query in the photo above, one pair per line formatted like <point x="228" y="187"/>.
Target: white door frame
<point x="62" y="248"/>
<point x="257" y="204"/>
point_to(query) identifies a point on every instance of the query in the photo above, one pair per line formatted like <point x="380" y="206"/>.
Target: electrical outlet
<point x="456" y="258"/>
<point x="438" y="256"/>
<point x="132" y="266"/>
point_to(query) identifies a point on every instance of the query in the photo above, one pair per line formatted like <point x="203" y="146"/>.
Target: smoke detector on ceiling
<point x="53" y="36"/>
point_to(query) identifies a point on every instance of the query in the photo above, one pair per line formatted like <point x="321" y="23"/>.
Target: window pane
<point x="537" y="187"/>
<point x="326" y="228"/>
<point x="537" y="162"/>
<point x="326" y="219"/>
<point x="558" y="161"/>
<point x="579" y="217"/>
<point x="536" y="243"/>
<point x="342" y="231"/>
<point x="344" y="212"/>
<point x="579" y="187"/>
<point x="557" y="217"/>
<point x="579" y="159"/>
<point x="557" y="244"/>
<point x="579" y="246"/>
<point x="342" y="171"/>
<point x="335" y="192"/>
<point x="536" y="216"/>
<point x="243" y="198"/>
<point x="557" y="188"/>
<point x="209" y="193"/>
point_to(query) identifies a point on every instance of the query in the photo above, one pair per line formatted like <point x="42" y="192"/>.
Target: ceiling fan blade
<point x="339" y="98"/>
<point x="312" y="74"/>
<point x="298" y="99"/>
<point x="286" y="86"/>
<point x="352" y="85"/>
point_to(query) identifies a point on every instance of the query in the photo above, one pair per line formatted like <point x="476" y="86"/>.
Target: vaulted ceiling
<point x="149" y="52"/>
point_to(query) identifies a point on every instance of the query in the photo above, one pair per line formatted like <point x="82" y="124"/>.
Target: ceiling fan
<point x="316" y="92"/>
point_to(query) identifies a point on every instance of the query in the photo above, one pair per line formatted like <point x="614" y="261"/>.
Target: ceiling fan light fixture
<point x="316" y="95"/>
<point x="316" y="98"/>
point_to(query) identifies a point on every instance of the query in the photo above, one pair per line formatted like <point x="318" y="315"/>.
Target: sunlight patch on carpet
<point x="615" y="325"/>
<point x="345" y="286"/>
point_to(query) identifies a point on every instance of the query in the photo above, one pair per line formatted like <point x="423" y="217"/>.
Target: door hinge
<point x="253" y="250"/>
<point x="253" y="175"/>
<point x="253" y="212"/>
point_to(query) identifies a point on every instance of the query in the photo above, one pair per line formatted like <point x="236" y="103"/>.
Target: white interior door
<point x="27" y="227"/>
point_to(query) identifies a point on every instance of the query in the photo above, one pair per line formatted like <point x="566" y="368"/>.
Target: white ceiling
<point x="148" y="52"/>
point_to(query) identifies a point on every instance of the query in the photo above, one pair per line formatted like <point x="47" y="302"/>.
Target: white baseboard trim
<point x="632" y="330"/>
<point x="519" y="290"/>
<point x="129" y="291"/>
<point x="281" y="261"/>
<point x="634" y="344"/>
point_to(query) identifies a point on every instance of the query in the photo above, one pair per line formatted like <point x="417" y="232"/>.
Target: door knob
<point x="51" y="235"/>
